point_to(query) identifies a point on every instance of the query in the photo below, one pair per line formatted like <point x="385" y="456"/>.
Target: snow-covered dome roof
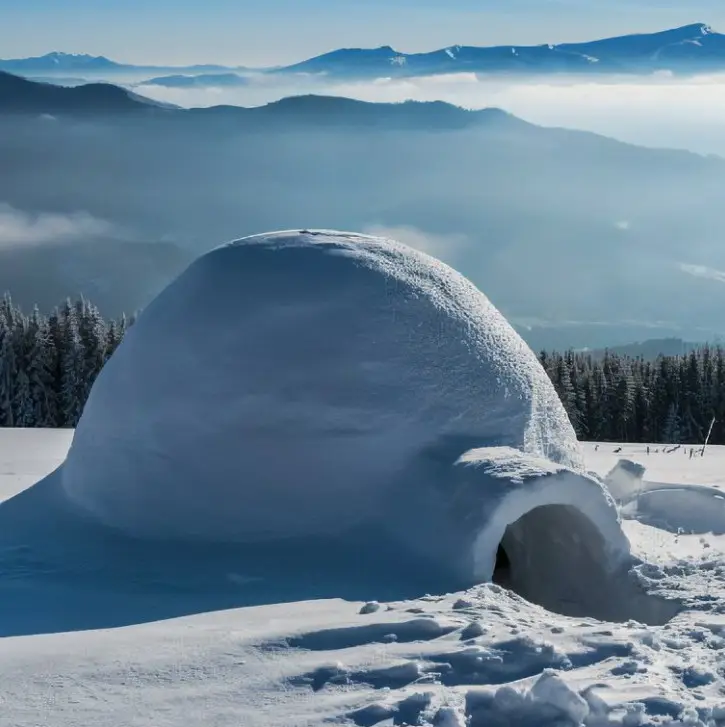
<point x="283" y="382"/>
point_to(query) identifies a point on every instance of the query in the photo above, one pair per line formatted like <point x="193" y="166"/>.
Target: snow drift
<point x="309" y="384"/>
<point x="624" y="480"/>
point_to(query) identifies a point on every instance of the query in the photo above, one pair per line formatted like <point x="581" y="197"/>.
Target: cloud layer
<point x="658" y="110"/>
<point x="703" y="271"/>
<point x="18" y="227"/>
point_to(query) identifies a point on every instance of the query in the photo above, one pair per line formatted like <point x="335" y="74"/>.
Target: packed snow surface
<point x="283" y="477"/>
<point x="308" y="383"/>
<point x="477" y="658"/>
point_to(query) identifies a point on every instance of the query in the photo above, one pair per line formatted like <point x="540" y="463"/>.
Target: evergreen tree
<point x="22" y="400"/>
<point x="42" y="366"/>
<point x="93" y="342"/>
<point x="73" y="388"/>
<point x="8" y="365"/>
<point x="673" y="429"/>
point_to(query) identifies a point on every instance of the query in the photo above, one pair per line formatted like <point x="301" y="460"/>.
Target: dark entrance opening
<point x="556" y="557"/>
<point x="502" y="569"/>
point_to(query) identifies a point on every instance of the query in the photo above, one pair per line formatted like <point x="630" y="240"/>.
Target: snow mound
<point x="686" y="509"/>
<point x="278" y="386"/>
<point x="624" y="480"/>
<point x="320" y="385"/>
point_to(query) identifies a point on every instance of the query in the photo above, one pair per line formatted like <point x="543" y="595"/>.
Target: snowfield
<point x="480" y="657"/>
<point x="322" y="480"/>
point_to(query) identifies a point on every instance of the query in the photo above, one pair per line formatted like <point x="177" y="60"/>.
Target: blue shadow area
<point x="62" y="572"/>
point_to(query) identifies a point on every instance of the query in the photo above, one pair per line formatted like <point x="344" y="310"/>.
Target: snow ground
<point x="663" y="465"/>
<point x="480" y="657"/>
<point x="28" y="455"/>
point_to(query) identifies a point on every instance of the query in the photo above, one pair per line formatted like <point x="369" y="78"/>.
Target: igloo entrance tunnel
<point x="314" y="384"/>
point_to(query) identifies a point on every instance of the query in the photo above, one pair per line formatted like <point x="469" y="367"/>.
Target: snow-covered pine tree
<point x="23" y="409"/>
<point x="599" y="422"/>
<point x="113" y="338"/>
<point x="624" y="402"/>
<point x="56" y="342"/>
<point x="9" y="363"/>
<point x="7" y="370"/>
<point x="563" y="386"/>
<point x="672" y="433"/>
<point x="42" y="370"/>
<point x="94" y="341"/>
<point x="73" y="387"/>
<point x="664" y="396"/>
<point x="641" y="406"/>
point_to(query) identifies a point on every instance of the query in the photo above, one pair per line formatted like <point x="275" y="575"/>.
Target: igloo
<point x="313" y="383"/>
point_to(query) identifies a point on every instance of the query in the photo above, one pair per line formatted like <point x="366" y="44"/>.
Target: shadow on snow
<point x="61" y="572"/>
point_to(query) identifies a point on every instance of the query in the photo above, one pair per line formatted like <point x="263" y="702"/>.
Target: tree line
<point x="49" y="363"/>
<point x="615" y="398"/>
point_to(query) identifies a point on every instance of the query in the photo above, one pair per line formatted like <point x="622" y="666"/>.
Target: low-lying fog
<point x="559" y="228"/>
<point x="657" y="110"/>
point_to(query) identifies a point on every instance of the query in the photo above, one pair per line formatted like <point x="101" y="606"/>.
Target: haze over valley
<point x="581" y="239"/>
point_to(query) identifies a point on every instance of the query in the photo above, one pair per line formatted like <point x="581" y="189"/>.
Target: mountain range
<point x="687" y="49"/>
<point x="690" y="48"/>
<point x="22" y="96"/>
<point x="79" y="63"/>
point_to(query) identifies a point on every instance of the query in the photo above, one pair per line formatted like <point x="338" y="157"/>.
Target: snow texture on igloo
<point x="296" y="384"/>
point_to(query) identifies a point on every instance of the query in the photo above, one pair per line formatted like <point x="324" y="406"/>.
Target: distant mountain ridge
<point x="185" y="80"/>
<point x="22" y="96"/>
<point x="689" y="48"/>
<point x="686" y="49"/>
<point x="498" y="193"/>
<point x="58" y="62"/>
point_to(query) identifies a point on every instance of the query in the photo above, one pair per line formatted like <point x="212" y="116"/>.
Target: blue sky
<point x="259" y="32"/>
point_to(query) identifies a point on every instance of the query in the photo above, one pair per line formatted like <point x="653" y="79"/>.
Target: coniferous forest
<point x="613" y="398"/>
<point x="49" y="363"/>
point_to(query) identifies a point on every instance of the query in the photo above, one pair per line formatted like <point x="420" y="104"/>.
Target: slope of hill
<point x="20" y="95"/>
<point x="335" y="111"/>
<point x="23" y="96"/>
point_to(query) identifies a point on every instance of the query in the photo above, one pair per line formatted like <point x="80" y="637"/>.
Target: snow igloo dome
<point x="305" y="383"/>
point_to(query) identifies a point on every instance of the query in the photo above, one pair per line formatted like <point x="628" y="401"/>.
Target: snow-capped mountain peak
<point x="61" y="57"/>
<point x="675" y="49"/>
<point x="58" y="61"/>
